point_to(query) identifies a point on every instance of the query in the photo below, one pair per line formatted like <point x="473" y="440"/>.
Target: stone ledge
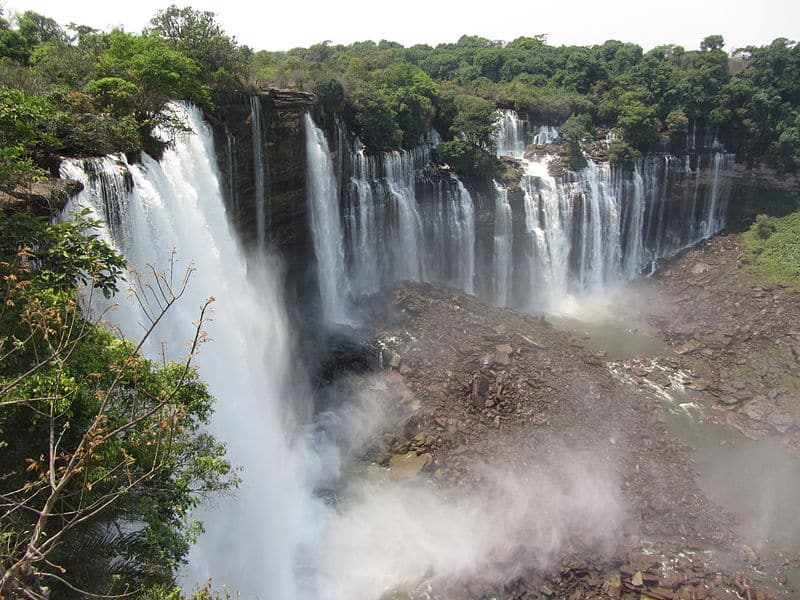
<point x="41" y="197"/>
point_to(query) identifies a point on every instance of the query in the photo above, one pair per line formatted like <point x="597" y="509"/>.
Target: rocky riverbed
<point x="478" y="389"/>
<point x="739" y="341"/>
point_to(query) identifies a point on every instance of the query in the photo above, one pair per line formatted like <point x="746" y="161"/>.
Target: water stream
<point x="757" y="481"/>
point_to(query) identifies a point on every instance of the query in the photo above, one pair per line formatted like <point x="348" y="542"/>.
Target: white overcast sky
<point x="285" y="24"/>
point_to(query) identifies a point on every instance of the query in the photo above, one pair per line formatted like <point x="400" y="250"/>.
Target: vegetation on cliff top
<point x="76" y="91"/>
<point x="750" y="98"/>
<point x="96" y="92"/>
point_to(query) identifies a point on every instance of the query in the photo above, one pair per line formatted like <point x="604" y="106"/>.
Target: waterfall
<point x="232" y="167"/>
<point x="633" y="252"/>
<point x="462" y="222"/>
<point x="718" y="194"/>
<point x="259" y="173"/>
<point x="503" y="236"/>
<point x="326" y="225"/>
<point x="604" y="225"/>
<point x="509" y="135"/>
<point x="545" y="134"/>
<point x="405" y="224"/>
<point x="253" y="539"/>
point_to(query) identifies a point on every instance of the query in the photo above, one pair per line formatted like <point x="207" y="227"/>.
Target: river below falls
<point x="757" y="481"/>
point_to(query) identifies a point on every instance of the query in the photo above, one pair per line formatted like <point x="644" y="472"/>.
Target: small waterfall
<point x="549" y="223"/>
<point x="462" y="222"/>
<point x="718" y="194"/>
<point x="403" y="224"/>
<point x="510" y="134"/>
<point x="232" y="167"/>
<point x="503" y="239"/>
<point x="326" y="225"/>
<point x="255" y="537"/>
<point x="259" y="173"/>
<point x="545" y="134"/>
<point x="633" y="251"/>
<point x="407" y="239"/>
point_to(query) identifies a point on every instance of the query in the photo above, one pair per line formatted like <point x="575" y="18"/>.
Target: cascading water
<point x="509" y="135"/>
<point x="259" y="173"/>
<point x="253" y="539"/>
<point x="545" y="134"/>
<point x="402" y="224"/>
<point x="503" y="239"/>
<point x="326" y="225"/>
<point x="602" y="224"/>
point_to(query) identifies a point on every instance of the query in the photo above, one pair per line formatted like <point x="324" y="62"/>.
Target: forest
<point x="103" y="453"/>
<point x="74" y="91"/>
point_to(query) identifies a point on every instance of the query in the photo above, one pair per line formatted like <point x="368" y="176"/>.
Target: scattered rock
<point x="408" y="465"/>
<point x="781" y="421"/>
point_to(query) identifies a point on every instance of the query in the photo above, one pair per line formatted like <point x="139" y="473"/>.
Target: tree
<point x="712" y="43"/>
<point x="25" y="129"/>
<point x="105" y="454"/>
<point x="636" y="121"/>
<point x="197" y="35"/>
<point x="476" y="121"/>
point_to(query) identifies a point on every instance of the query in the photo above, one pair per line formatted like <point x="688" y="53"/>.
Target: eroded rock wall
<point x="284" y="163"/>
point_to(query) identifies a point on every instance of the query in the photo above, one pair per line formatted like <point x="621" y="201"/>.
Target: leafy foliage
<point x="651" y="98"/>
<point x="26" y="124"/>
<point x="104" y="451"/>
<point x="106" y="92"/>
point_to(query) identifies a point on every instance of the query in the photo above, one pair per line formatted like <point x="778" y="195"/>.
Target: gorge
<point x="481" y="320"/>
<point x="367" y="223"/>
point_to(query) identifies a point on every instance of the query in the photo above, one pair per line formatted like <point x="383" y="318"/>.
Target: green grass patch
<point x="774" y="245"/>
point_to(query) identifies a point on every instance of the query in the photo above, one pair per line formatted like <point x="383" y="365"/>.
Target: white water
<point x="259" y="172"/>
<point x="545" y="134"/>
<point x="602" y="225"/>
<point x="254" y="539"/>
<point x="402" y="224"/>
<point x="326" y="225"/>
<point x="509" y="136"/>
<point x="503" y="239"/>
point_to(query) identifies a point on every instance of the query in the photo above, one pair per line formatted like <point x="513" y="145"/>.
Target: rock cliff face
<point x="42" y="198"/>
<point x="760" y="189"/>
<point x="283" y="166"/>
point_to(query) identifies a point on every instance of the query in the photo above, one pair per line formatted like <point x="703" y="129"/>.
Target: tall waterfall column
<point x="326" y="225"/>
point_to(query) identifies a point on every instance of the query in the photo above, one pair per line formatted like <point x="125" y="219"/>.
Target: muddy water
<point x="757" y="481"/>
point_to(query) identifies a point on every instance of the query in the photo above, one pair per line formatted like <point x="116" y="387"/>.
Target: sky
<point x="285" y="24"/>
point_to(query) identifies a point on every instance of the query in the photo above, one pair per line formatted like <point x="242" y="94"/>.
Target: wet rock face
<point x="760" y="189"/>
<point x="285" y="173"/>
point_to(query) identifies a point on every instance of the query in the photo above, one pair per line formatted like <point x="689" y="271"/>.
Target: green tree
<point x="197" y="35"/>
<point x="476" y="121"/>
<point x="105" y="454"/>
<point x="637" y="124"/>
<point x="26" y="124"/>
